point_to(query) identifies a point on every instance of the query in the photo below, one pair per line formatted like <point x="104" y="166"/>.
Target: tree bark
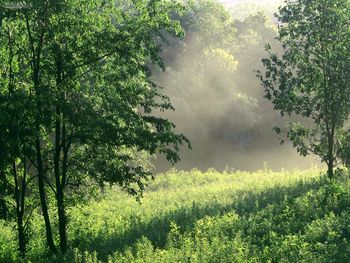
<point x="330" y="170"/>
<point x="42" y="196"/>
<point x="330" y="161"/>
<point x="62" y="220"/>
<point x="59" y="187"/>
<point x="19" y="198"/>
<point x="59" y="144"/>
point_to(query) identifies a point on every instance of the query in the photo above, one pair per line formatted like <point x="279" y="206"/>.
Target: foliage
<point x="243" y="9"/>
<point x="213" y="65"/>
<point x="192" y="216"/>
<point x="77" y="101"/>
<point x="311" y="78"/>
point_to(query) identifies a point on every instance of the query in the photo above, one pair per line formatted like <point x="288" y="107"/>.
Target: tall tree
<point x="15" y="122"/>
<point x="312" y="77"/>
<point x="85" y="67"/>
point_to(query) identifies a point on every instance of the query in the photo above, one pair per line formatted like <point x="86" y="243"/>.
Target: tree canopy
<point x="76" y="98"/>
<point x="312" y="77"/>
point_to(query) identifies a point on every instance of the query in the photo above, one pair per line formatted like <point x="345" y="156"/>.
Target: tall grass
<point x="295" y="216"/>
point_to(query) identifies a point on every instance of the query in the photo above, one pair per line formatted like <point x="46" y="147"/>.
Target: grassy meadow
<point x="289" y="216"/>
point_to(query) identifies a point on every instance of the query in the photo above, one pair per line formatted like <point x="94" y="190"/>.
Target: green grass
<point x="209" y="217"/>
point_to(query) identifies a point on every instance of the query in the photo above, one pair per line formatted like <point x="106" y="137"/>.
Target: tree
<point x="83" y="66"/>
<point x="312" y="77"/>
<point x="214" y="64"/>
<point x="15" y="133"/>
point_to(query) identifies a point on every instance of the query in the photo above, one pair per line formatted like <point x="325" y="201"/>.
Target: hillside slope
<point x="211" y="217"/>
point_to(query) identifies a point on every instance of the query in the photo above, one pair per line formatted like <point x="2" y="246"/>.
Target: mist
<point x="219" y="103"/>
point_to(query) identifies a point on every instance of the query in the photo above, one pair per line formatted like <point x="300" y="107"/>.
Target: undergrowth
<point x="297" y="216"/>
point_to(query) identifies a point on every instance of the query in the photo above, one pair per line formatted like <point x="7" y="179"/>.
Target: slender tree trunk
<point x="42" y="196"/>
<point x="59" y="144"/>
<point x="60" y="182"/>
<point x="41" y="172"/>
<point x="62" y="211"/>
<point x="23" y="193"/>
<point x="62" y="221"/>
<point x="19" y="197"/>
<point x="36" y="64"/>
<point x="21" y="235"/>
<point x="330" y="162"/>
<point x="20" y="182"/>
<point x="330" y="170"/>
<point x="19" y="189"/>
<point x="59" y="188"/>
<point x="60" y="198"/>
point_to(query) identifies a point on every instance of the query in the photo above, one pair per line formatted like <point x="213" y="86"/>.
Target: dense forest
<point x="210" y="78"/>
<point x="116" y="116"/>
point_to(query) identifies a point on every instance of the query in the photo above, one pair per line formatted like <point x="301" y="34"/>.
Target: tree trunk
<point x="19" y="189"/>
<point x="330" y="169"/>
<point x="62" y="221"/>
<point x="42" y="196"/>
<point x="59" y="188"/>
<point x="59" y="143"/>
<point x="19" y="194"/>
<point x="36" y="50"/>
<point x="330" y="161"/>
<point x="21" y="234"/>
<point x="22" y="238"/>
